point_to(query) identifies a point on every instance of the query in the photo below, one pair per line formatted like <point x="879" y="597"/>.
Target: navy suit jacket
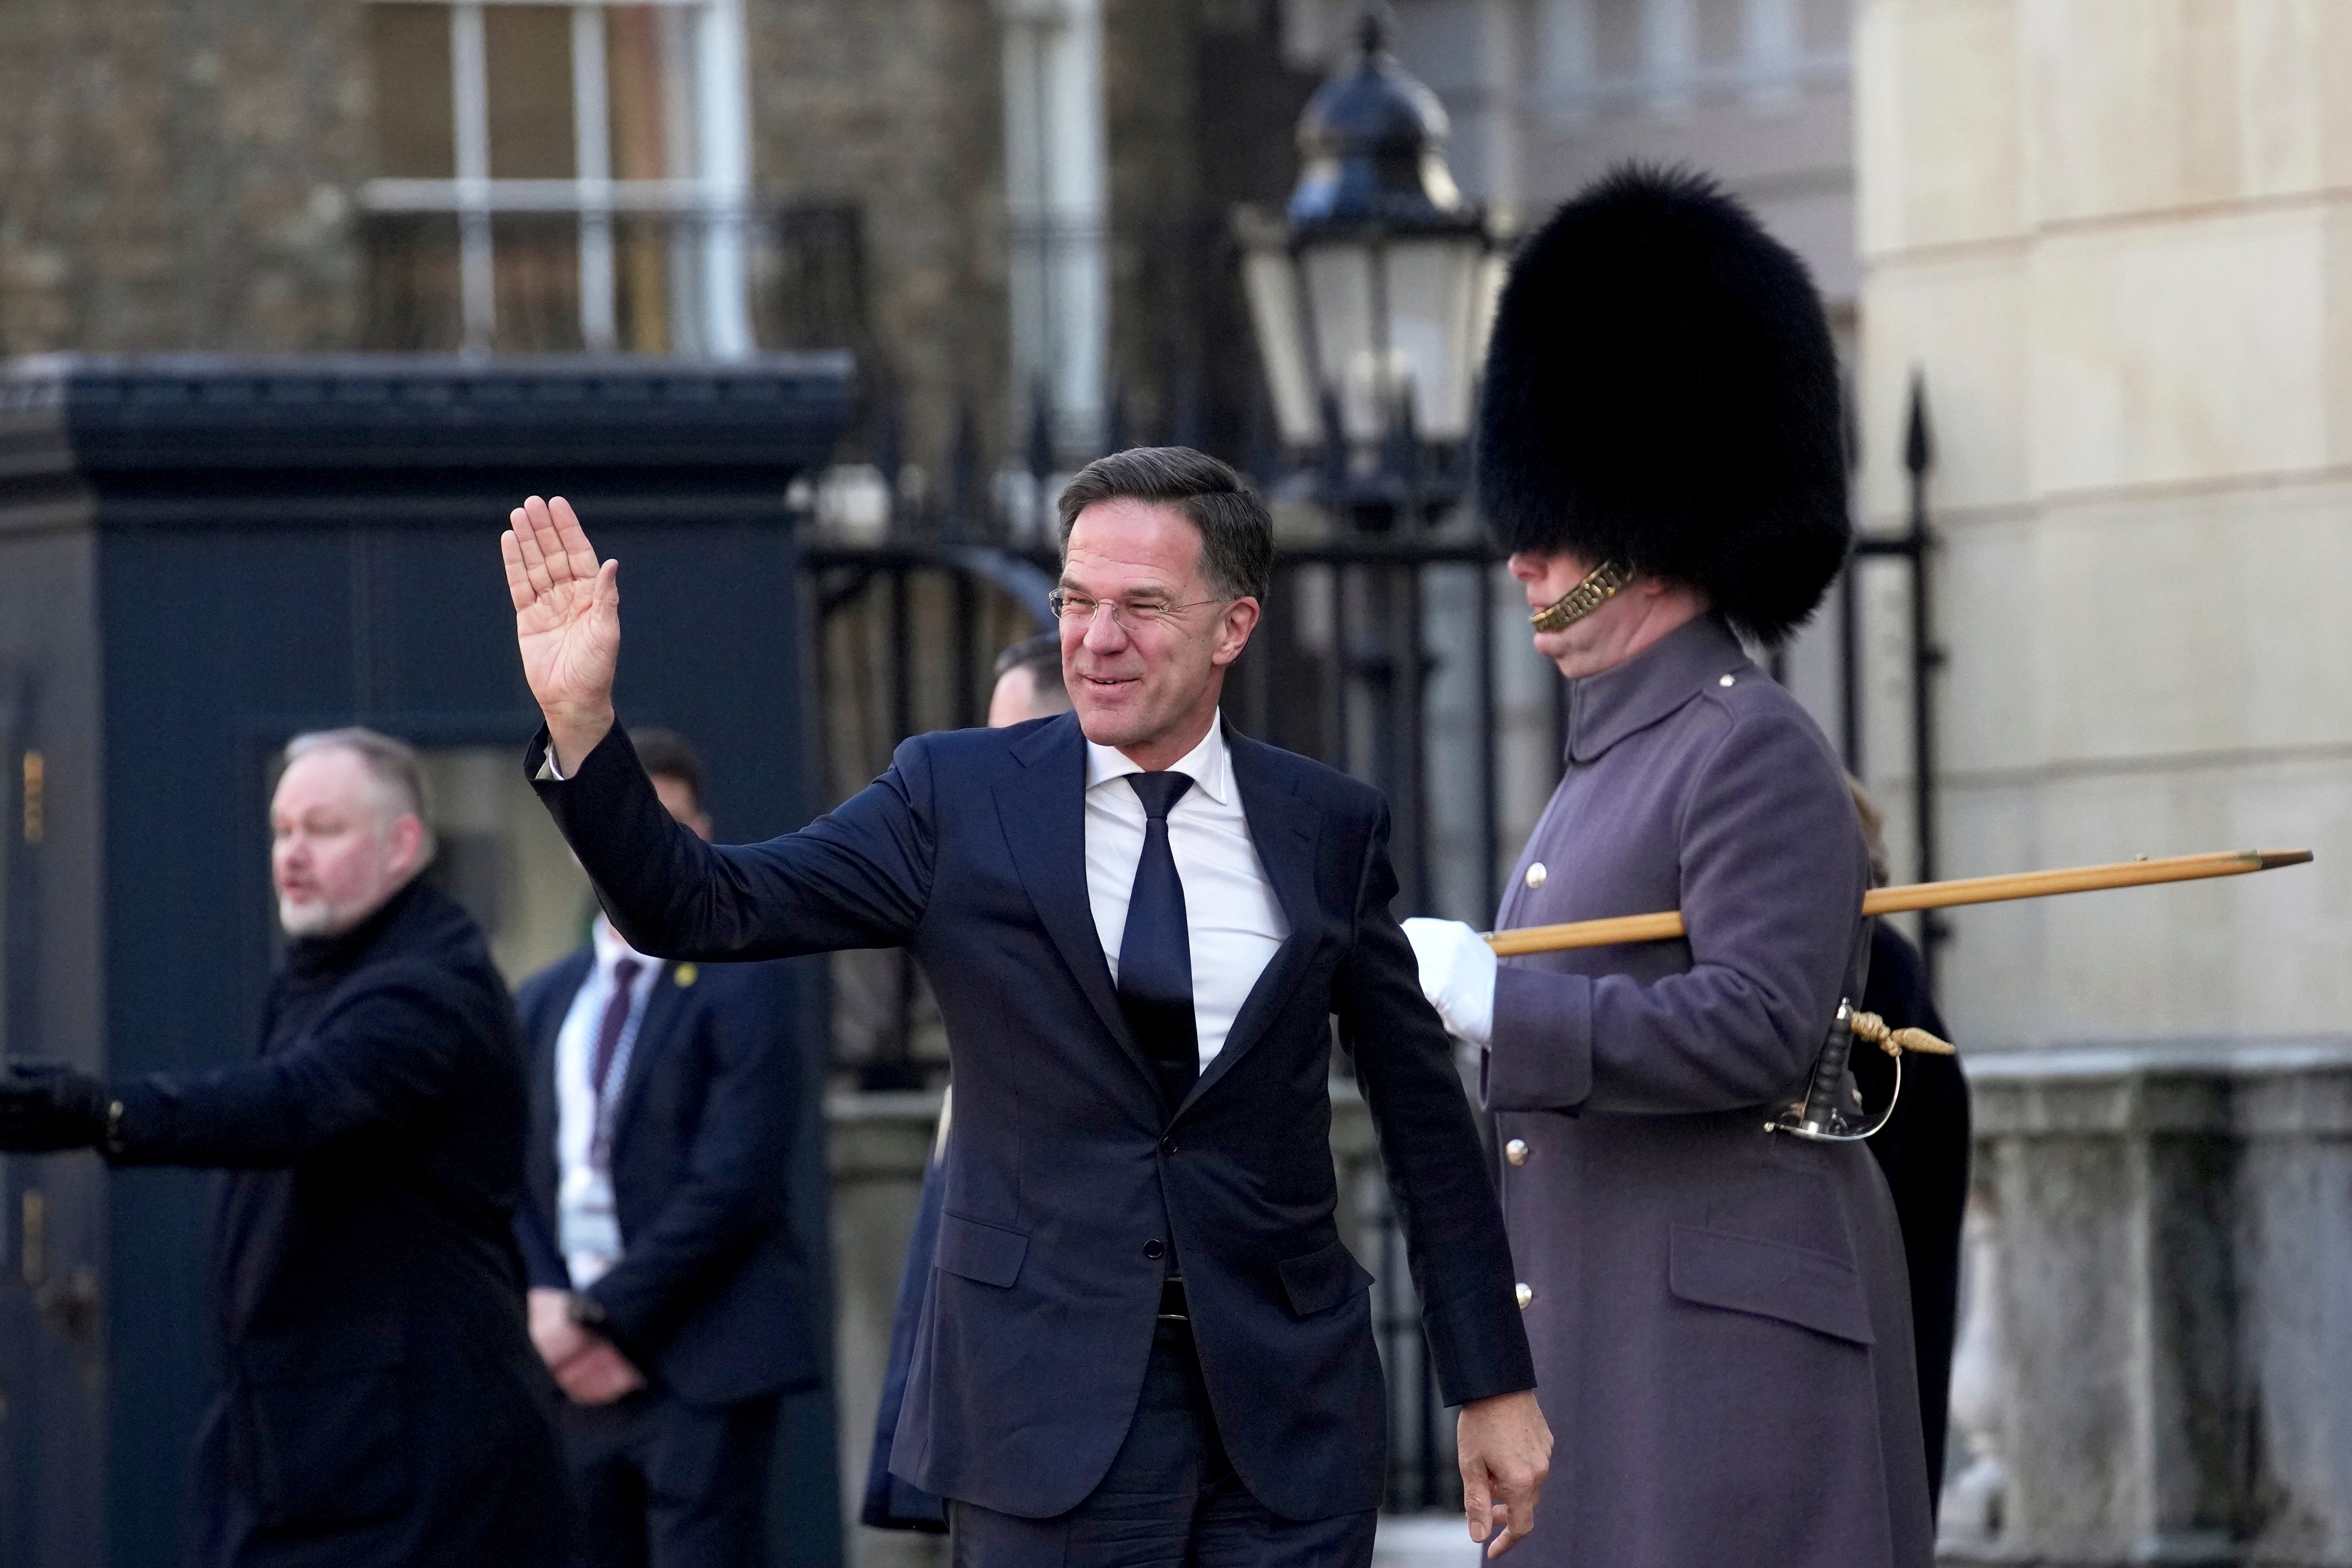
<point x="710" y="1298"/>
<point x="1070" y="1194"/>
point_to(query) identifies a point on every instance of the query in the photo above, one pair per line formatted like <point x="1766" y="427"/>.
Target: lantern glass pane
<point x="1433" y="296"/>
<point x="1271" y="279"/>
<point x="1494" y="271"/>
<point x="1347" y="354"/>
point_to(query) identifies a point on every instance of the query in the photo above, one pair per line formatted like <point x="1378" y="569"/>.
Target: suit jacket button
<point x="1168" y="1145"/>
<point x="1155" y="1250"/>
<point x="1516" y="1151"/>
<point x="1525" y="1294"/>
<point x="1536" y="875"/>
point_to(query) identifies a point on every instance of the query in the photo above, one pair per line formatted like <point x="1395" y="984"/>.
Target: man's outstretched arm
<point x="859" y="877"/>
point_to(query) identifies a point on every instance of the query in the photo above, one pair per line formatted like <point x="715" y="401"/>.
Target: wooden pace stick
<point x="1667" y="924"/>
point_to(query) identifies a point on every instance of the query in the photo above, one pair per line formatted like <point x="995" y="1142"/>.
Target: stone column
<point x="2173" y="1231"/>
<point x="881" y="1145"/>
<point x="2291" y="1231"/>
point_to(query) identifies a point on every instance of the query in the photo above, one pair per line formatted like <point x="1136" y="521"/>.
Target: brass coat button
<point x="1525" y="1294"/>
<point x="1536" y="875"/>
<point x="1516" y="1151"/>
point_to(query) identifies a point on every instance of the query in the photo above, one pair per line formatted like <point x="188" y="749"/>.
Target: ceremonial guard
<point x="1718" y="1313"/>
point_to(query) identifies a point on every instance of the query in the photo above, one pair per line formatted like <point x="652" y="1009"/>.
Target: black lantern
<point x="1372" y="298"/>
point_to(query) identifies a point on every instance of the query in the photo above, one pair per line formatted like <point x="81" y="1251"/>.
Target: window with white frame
<point x="1056" y="198"/>
<point x="555" y="176"/>
<point x="1664" y="57"/>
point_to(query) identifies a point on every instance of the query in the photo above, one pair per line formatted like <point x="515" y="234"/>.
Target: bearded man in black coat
<point x="380" y="1402"/>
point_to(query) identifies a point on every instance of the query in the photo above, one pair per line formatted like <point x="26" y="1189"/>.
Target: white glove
<point x="1457" y="975"/>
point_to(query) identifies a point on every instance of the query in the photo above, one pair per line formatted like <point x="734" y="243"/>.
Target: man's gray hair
<point x="1236" y="530"/>
<point x="390" y="763"/>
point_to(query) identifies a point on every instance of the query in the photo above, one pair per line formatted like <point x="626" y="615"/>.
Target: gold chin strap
<point x="1600" y="585"/>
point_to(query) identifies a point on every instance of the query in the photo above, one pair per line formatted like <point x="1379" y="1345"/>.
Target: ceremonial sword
<point x="1821" y="1114"/>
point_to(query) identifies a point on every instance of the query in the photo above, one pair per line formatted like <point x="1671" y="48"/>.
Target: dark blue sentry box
<point x="203" y="555"/>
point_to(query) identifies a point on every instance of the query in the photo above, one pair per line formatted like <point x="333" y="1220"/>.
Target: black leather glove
<point x="46" y="1107"/>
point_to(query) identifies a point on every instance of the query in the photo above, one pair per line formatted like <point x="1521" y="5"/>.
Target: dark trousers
<point x="1171" y="1498"/>
<point x="661" y="1483"/>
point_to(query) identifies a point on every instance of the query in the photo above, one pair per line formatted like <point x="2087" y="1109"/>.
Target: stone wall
<point x="185" y="176"/>
<point x="2112" y="240"/>
<point x="2156" y="1366"/>
<point x="895" y="108"/>
<point x="178" y="174"/>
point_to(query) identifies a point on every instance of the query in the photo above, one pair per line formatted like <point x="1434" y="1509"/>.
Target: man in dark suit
<point x="380" y="1403"/>
<point x="1145" y="1340"/>
<point x="669" y="1293"/>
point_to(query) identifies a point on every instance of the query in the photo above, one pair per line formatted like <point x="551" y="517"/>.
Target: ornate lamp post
<point x="1371" y="296"/>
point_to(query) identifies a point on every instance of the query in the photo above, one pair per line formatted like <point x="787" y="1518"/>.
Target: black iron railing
<point x="1914" y="547"/>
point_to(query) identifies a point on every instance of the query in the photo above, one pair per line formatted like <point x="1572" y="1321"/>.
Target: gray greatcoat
<point x="1719" y="1316"/>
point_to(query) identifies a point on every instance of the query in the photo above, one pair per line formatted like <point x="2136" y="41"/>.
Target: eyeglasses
<point x="1130" y="615"/>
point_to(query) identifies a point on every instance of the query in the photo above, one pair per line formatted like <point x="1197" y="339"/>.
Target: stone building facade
<point x="179" y="176"/>
<point x="2111" y="241"/>
<point x="253" y="176"/>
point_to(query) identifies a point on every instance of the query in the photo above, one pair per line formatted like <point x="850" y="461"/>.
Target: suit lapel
<point x="1286" y="832"/>
<point x="653" y="1032"/>
<point x="1044" y="810"/>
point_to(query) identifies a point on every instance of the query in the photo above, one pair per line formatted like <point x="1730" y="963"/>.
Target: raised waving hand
<point x="567" y="624"/>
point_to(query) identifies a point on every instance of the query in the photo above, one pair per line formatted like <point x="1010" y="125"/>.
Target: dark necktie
<point x="608" y="1028"/>
<point x="1155" y="956"/>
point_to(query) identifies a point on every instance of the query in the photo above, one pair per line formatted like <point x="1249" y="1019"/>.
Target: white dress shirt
<point x="1229" y="910"/>
<point x="588" y="1233"/>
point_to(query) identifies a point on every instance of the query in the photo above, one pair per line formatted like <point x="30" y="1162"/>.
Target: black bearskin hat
<point x="1660" y="391"/>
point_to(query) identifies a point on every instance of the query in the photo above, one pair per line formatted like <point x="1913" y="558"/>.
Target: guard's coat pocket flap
<point x="1770" y="1279"/>
<point x="1322" y="1278"/>
<point x="987" y="1253"/>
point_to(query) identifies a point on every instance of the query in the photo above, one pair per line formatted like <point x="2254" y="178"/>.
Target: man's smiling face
<point x="1145" y="668"/>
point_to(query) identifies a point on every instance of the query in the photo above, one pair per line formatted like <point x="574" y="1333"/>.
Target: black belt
<point x="1172" y="1308"/>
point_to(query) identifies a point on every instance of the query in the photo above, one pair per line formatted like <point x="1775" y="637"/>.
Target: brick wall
<point x="178" y="174"/>
<point x="183" y="175"/>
